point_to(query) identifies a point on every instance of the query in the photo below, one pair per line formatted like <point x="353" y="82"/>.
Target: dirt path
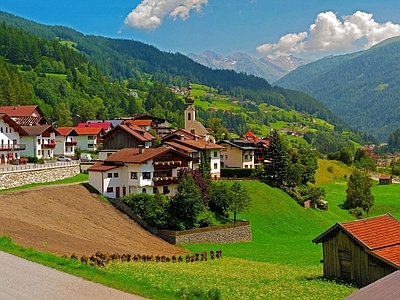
<point x="64" y="219"/>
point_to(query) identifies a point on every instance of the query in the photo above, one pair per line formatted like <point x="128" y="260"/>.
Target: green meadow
<point x="281" y="262"/>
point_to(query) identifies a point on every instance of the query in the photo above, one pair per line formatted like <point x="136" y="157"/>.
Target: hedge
<point x="236" y="172"/>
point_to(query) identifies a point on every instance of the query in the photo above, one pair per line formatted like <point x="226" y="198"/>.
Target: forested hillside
<point x="362" y="88"/>
<point x="68" y="73"/>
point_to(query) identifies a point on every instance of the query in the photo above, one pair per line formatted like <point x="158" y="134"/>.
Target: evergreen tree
<point x="359" y="191"/>
<point x="186" y="205"/>
<point x="205" y="166"/>
<point x="276" y="166"/>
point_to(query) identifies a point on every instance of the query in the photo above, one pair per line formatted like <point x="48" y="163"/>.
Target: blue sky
<point x="309" y="29"/>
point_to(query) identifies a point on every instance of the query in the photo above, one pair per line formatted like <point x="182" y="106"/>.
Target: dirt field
<point x="67" y="219"/>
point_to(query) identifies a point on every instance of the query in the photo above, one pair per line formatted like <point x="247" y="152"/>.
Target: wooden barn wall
<point x="119" y="140"/>
<point x="364" y="269"/>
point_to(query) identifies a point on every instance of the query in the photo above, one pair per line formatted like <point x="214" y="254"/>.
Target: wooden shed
<point x="363" y="250"/>
<point x="385" y="180"/>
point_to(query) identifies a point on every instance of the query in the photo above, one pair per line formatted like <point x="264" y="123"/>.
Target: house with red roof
<point x="89" y="138"/>
<point x="105" y="125"/>
<point x="138" y="170"/>
<point x="66" y="141"/>
<point x="25" y="115"/>
<point x="363" y="251"/>
<point x="10" y="135"/>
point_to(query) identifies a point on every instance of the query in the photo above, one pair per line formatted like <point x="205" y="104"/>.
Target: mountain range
<point x="362" y="88"/>
<point x="269" y="69"/>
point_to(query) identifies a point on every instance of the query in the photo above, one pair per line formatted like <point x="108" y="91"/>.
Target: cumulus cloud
<point x="329" y="34"/>
<point x="149" y="14"/>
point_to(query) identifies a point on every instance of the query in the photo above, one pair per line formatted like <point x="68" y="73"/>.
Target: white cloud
<point x="149" y="14"/>
<point x="329" y="34"/>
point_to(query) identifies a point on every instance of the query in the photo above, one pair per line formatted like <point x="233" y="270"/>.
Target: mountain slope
<point x="362" y="88"/>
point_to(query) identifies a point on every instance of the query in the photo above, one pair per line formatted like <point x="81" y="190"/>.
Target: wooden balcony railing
<point x="12" y="147"/>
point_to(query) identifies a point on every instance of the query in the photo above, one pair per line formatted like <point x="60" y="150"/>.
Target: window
<point x="6" y="129"/>
<point x="110" y="189"/>
<point x="146" y="175"/>
<point x="90" y="137"/>
<point x="39" y="152"/>
<point x="246" y="157"/>
<point x="1" y="129"/>
<point x="38" y="141"/>
<point x="109" y="175"/>
<point x="90" y="145"/>
<point x="144" y="191"/>
<point x="192" y="131"/>
<point x="165" y="189"/>
<point x="115" y="175"/>
<point x="155" y="190"/>
<point x="109" y="154"/>
<point x="246" y="166"/>
<point x="221" y="156"/>
<point x="215" y="166"/>
<point x="226" y="156"/>
<point x="189" y="116"/>
<point x="215" y="154"/>
<point x="133" y="175"/>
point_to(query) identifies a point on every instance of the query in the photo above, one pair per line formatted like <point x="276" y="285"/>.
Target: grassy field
<point x="280" y="263"/>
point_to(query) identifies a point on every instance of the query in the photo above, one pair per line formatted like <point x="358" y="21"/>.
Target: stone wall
<point x="240" y="232"/>
<point x="22" y="177"/>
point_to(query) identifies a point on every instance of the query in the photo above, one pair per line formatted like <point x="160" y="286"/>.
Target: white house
<point x="65" y="141"/>
<point x="40" y="142"/>
<point x="10" y="134"/>
<point x="138" y="170"/>
<point x="238" y="154"/>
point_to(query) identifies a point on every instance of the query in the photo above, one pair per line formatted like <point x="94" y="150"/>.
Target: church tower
<point x="190" y="110"/>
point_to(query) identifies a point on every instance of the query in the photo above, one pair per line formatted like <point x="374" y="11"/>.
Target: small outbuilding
<point x="385" y="180"/>
<point x="363" y="250"/>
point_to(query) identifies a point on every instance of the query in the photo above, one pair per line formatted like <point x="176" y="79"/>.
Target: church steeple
<point x="190" y="110"/>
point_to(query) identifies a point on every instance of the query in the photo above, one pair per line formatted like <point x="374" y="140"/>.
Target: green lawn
<point x="281" y="262"/>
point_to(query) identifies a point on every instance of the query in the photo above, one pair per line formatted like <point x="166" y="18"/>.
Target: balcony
<point x="12" y="147"/>
<point x="167" y="164"/>
<point x="50" y="145"/>
<point x="159" y="181"/>
<point x="70" y="144"/>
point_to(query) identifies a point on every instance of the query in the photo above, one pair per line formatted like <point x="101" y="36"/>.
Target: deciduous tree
<point x="359" y="191"/>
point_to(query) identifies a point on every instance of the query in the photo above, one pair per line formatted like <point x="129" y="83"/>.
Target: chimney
<point x="141" y="149"/>
<point x="181" y="137"/>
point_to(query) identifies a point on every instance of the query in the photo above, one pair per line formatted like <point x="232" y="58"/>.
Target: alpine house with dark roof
<point x="138" y="170"/>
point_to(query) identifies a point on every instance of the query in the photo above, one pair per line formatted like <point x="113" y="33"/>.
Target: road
<point x="21" y="279"/>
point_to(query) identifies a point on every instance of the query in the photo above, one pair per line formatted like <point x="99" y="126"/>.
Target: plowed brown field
<point x="68" y="218"/>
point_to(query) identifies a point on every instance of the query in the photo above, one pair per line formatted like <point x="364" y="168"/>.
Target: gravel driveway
<point x="21" y="279"/>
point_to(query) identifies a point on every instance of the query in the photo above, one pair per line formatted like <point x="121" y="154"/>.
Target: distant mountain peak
<point x="269" y="69"/>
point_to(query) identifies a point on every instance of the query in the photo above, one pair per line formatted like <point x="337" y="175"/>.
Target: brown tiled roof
<point x="101" y="167"/>
<point x="134" y="131"/>
<point x="18" y="110"/>
<point x="39" y="129"/>
<point x="380" y="235"/>
<point x="104" y="125"/>
<point x="179" y="132"/>
<point x="30" y="120"/>
<point x="7" y="119"/>
<point x="180" y="146"/>
<point x="199" y="144"/>
<point x="139" y="156"/>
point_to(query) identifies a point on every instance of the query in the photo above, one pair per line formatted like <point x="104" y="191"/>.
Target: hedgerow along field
<point x="280" y="262"/>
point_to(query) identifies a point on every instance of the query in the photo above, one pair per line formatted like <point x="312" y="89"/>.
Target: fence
<point x="45" y="165"/>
